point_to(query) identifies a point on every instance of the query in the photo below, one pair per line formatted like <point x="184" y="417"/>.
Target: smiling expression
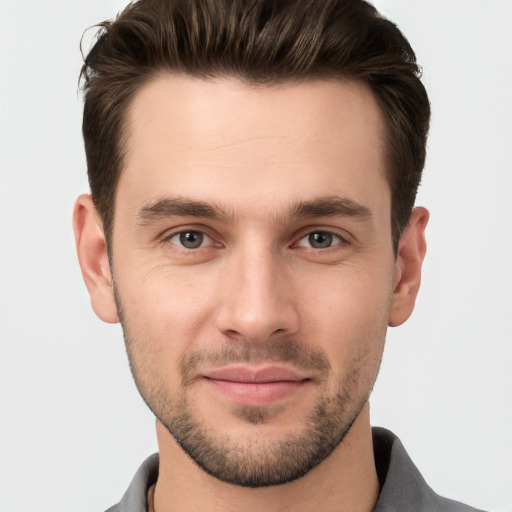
<point x="253" y="267"/>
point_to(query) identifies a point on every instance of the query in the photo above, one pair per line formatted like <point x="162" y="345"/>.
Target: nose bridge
<point x="257" y="300"/>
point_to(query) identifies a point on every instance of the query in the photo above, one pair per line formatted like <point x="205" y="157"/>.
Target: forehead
<point x="222" y="139"/>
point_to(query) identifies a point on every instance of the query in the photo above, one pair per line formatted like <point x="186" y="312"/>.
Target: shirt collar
<point x="402" y="486"/>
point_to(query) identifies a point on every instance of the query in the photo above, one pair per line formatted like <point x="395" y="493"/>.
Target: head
<point x="258" y="42"/>
<point x="253" y="168"/>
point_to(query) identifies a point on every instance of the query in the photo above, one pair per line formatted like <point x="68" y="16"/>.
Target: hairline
<point x="124" y="121"/>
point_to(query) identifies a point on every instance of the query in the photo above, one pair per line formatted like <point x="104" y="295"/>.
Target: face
<point x="253" y="267"/>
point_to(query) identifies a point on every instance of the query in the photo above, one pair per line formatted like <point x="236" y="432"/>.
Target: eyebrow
<point x="330" y="206"/>
<point x="172" y="207"/>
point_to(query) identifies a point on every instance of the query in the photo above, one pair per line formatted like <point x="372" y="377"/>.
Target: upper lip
<point x="255" y="375"/>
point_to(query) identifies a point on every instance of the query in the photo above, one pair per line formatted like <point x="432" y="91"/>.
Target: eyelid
<point x="171" y="233"/>
<point x="342" y="235"/>
<point x="339" y="240"/>
<point x="206" y="240"/>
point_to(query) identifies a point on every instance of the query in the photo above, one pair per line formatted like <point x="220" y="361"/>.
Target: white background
<point x="73" y="429"/>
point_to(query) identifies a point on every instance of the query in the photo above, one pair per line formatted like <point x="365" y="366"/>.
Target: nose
<point x="257" y="300"/>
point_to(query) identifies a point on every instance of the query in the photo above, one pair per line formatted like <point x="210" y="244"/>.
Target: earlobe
<point x="93" y="257"/>
<point x="410" y="255"/>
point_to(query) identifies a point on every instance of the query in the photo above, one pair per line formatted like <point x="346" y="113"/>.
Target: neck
<point x="344" y="481"/>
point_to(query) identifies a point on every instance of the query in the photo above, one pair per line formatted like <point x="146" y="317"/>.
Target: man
<point x="253" y="168"/>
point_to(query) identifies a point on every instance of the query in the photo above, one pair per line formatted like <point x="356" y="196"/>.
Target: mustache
<point x="243" y="351"/>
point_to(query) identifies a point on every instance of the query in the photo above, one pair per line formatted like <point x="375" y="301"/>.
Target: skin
<point x="257" y="159"/>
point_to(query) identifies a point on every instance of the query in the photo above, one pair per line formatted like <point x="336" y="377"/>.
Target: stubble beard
<point x="253" y="461"/>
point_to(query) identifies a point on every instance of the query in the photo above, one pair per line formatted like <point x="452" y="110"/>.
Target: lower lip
<point x="256" y="394"/>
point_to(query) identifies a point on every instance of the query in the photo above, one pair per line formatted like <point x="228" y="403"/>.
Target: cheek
<point x="164" y="315"/>
<point x="165" y="297"/>
<point x="349" y="319"/>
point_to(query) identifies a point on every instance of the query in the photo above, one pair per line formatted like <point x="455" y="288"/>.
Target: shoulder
<point x="402" y="485"/>
<point x="135" y="498"/>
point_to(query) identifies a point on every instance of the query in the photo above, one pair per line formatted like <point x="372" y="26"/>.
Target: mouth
<point x="255" y="387"/>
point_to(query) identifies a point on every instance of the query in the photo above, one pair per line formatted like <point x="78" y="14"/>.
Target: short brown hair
<point x="258" y="41"/>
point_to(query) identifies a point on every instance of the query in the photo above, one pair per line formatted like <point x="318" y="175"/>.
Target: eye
<point x="320" y="240"/>
<point x="190" y="239"/>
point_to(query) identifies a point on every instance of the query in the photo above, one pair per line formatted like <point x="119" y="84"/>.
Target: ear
<point x="410" y="255"/>
<point x="91" y="247"/>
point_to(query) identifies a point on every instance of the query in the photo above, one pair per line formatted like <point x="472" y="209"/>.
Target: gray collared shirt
<point x="402" y="486"/>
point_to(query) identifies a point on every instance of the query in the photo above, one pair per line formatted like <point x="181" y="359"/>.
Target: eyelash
<point x="336" y="240"/>
<point x="168" y="239"/>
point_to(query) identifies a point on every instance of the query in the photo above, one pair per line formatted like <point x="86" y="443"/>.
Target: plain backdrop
<point x="73" y="429"/>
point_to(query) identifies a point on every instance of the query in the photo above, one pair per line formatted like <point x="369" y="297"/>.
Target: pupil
<point x="320" y="240"/>
<point x="191" y="239"/>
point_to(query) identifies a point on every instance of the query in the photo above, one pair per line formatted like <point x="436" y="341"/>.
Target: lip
<point x="255" y="375"/>
<point x="255" y="387"/>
